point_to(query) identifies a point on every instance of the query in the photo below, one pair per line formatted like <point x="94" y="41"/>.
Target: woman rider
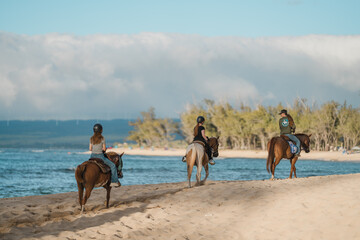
<point x="98" y="147"/>
<point x="199" y="135"/>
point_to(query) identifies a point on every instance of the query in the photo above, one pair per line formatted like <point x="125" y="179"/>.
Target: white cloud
<point x="100" y="76"/>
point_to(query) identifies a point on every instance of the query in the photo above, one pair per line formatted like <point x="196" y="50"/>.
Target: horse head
<point x="117" y="159"/>
<point x="305" y="141"/>
<point x="214" y="144"/>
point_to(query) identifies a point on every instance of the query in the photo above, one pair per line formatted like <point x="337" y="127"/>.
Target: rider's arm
<point x="203" y="135"/>
<point x="90" y="147"/>
<point x="104" y="146"/>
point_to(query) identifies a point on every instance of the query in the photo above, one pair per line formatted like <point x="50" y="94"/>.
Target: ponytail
<point x="96" y="138"/>
<point x="291" y="124"/>
<point x="291" y="120"/>
<point x="196" y="129"/>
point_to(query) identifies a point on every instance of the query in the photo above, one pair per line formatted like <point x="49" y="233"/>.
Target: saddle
<point x="292" y="144"/>
<point x="199" y="142"/>
<point x="100" y="163"/>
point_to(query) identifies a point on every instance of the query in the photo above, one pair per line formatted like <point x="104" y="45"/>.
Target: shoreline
<point x="318" y="207"/>
<point x="313" y="155"/>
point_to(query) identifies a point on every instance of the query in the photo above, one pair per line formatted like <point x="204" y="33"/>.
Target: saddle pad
<point x="100" y="163"/>
<point x="293" y="147"/>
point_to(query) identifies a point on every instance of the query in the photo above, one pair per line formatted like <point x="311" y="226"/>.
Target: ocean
<point x="26" y="172"/>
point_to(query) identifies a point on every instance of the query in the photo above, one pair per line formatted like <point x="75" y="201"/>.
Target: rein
<point x="212" y="150"/>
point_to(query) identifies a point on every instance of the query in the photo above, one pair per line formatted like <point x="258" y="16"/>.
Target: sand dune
<point x="325" y="207"/>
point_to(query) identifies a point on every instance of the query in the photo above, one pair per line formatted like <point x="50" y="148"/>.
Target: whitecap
<point x="37" y="151"/>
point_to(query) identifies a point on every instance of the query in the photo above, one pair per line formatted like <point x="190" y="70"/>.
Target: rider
<point x="98" y="147"/>
<point x="199" y="135"/>
<point x="287" y="128"/>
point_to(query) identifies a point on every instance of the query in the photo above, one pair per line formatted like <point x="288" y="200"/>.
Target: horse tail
<point x="192" y="155"/>
<point x="79" y="172"/>
<point x="271" y="155"/>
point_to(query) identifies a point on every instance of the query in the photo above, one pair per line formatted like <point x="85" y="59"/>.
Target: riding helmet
<point x="200" y="119"/>
<point x="98" y="128"/>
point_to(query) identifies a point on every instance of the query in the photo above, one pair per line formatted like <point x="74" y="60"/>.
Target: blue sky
<point x="114" y="59"/>
<point x="250" y="18"/>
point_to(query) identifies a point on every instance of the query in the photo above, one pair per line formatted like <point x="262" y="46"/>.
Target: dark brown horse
<point x="196" y="155"/>
<point x="279" y="148"/>
<point x="88" y="175"/>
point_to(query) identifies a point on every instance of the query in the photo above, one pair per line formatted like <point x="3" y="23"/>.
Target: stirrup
<point x="212" y="162"/>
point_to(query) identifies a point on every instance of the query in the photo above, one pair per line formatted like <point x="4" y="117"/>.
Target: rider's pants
<point x="114" y="176"/>
<point x="296" y="140"/>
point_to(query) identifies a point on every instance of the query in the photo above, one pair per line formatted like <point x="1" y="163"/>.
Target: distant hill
<point x="59" y="134"/>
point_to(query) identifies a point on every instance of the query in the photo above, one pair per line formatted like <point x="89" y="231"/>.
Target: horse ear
<point x="309" y="135"/>
<point x="122" y="154"/>
<point x="217" y="137"/>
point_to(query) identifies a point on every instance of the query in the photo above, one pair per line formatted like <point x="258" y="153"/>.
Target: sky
<point x="113" y="59"/>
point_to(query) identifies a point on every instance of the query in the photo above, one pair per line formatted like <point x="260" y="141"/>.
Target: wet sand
<point x="313" y="155"/>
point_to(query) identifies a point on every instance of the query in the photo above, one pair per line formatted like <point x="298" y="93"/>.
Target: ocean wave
<point x="37" y="150"/>
<point x="67" y="170"/>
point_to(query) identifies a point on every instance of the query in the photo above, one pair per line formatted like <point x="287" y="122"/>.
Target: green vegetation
<point x="150" y="131"/>
<point x="331" y="125"/>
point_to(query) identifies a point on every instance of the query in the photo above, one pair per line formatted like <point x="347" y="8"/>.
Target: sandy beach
<point x="325" y="207"/>
<point x="313" y="155"/>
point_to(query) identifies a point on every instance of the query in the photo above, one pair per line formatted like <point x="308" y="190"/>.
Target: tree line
<point x="332" y="125"/>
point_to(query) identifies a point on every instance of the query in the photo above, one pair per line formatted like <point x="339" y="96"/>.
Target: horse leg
<point x="293" y="168"/>
<point x="88" y="190"/>
<point x="198" y="173"/>
<point x="277" y="161"/>
<point x="108" y="190"/>
<point x="206" y="167"/>
<point x="190" y="166"/>
<point x="81" y="192"/>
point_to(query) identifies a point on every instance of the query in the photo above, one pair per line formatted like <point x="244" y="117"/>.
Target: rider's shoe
<point x="212" y="162"/>
<point x="115" y="184"/>
<point x="297" y="155"/>
<point x="183" y="159"/>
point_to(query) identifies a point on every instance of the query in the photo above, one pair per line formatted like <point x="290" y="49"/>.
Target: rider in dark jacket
<point x="287" y="128"/>
<point x="199" y="135"/>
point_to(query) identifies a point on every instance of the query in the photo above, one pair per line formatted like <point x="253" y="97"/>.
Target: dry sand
<point x="326" y="207"/>
<point x="328" y="156"/>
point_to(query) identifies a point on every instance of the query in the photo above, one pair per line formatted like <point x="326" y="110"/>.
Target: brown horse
<point x="279" y="148"/>
<point x="195" y="155"/>
<point x="89" y="175"/>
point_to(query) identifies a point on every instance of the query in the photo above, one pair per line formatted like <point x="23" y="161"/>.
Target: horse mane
<point x="301" y="135"/>
<point x="112" y="156"/>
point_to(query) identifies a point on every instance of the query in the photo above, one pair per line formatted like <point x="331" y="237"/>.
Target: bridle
<point x="213" y="150"/>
